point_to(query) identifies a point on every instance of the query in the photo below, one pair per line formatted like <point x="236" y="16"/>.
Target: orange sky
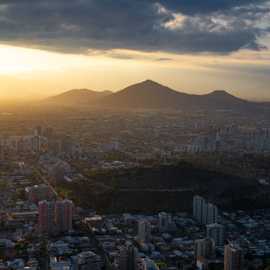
<point x="31" y="73"/>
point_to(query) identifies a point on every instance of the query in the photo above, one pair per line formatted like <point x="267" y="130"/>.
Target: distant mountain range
<point x="152" y="95"/>
<point x="78" y="97"/>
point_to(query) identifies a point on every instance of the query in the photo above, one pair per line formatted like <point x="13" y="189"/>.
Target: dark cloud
<point x="220" y="26"/>
<point x="192" y="7"/>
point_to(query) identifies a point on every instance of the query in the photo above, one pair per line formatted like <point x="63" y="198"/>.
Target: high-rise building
<point x="164" y="220"/>
<point x="215" y="231"/>
<point x="46" y="217"/>
<point x="203" y="211"/>
<point x="67" y="144"/>
<point x="55" y="217"/>
<point x="64" y="215"/>
<point x="35" y="144"/>
<point x="204" y="248"/>
<point x="233" y="257"/>
<point x="128" y="259"/>
<point x="198" y="207"/>
<point x="144" y="231"/>
<point x="212" y="214"/>
<point x="204" y="214"/>
<point x="38" y="131"/>
<point x="48" y="132"/>
<point x="2" y="149"/>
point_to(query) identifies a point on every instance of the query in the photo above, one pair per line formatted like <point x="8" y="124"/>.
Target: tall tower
<point x="198" y="203"/>
<point x="144" y="231"/>
<point x="164" y="220"/>
<point x="64" y="215"/>
<point x="46" y="217"/>
<point x="203" y="211"/>
<point x="216" y="232"/>
<point x="128" y="258"/>
<point x="233" y="257"/>
<point x="204" y="248"/>
<point x="212" y="214"/>
<point x="2" y="149"/>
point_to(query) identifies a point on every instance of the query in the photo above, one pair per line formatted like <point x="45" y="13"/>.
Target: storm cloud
<point x="179" y="26"/>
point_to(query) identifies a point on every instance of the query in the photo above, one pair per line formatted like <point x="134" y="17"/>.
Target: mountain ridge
<point x="149" y="94"/>
<point x="75" y="96"/>
<point x="152" y="95"/>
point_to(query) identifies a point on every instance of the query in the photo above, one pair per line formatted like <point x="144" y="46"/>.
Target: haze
<point x="94" y="45"/>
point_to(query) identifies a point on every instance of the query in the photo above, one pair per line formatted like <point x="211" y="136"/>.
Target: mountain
<point x="151" y="95"/>
<point x="78" y="97"/>
<point x="222" y="100"/>
<point x="147" y="94"/>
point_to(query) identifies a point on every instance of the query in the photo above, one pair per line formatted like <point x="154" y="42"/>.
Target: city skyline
<point x="134" y="135"/>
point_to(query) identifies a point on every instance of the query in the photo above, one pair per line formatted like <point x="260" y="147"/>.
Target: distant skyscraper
<point x="216" y="232"/>
<point x="67" y="144"/>
<point x="144" y="231"/>
<point x="2" y="149"/>
<point x="198" y="207"/>
<point x="212" y="214"/>
<point x="46" y="217"/>
<point x="38" y="131"/>
<point x="233" y="257"/>
<point x="55" y="216"/>
<point x="36" y="144"/>
<point x="204" y="212"/>
<point x="63" y="215"/>
<point x="164" y="220"/>
<point x="204" y="248"/>
<point x="48" y="132"/>
<point x="128" y="258"/>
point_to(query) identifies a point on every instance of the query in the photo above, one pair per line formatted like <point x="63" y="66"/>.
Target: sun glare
<point x="18" y="61"/>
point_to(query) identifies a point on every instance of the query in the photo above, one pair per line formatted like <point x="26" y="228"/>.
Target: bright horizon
<point x="38" y="62"/>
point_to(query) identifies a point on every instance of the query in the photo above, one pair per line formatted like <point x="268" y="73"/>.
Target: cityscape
<point x="44" y="225"/>
<point x="134" y="135"/>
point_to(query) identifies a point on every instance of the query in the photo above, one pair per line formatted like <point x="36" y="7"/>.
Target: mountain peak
<point x="149" y="94"/>
<point x="149" y="86"/>
<point x="149" y="81"/>
<point x="224" y="96"/>
<point x="220" y="92"/>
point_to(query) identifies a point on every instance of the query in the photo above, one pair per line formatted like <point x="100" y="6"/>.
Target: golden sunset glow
<point x="34" y="73"/>
<point x="51" y="47"/>
<point x="134" y="134"/>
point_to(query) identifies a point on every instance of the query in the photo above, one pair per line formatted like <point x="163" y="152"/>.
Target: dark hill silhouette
<point x="147" y="95"/>
<point x="78" y="97"/>
<point x="223" y="96"/>
<point x="152" y="95"/>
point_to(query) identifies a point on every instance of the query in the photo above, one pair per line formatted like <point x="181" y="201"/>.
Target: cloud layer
<point x="180" y="26"/>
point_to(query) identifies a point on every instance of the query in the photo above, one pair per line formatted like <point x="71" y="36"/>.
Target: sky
<point x="194" y="46"/>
